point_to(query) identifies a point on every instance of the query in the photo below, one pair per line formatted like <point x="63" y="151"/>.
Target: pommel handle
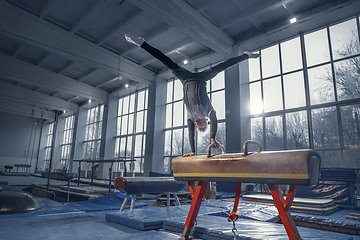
<point x="246" y="143"/>
<point x="209" y="150"/>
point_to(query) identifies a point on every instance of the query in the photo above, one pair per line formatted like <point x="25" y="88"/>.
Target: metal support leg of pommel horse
<point x="283" y="206"/>
<point x="195" y="205"/>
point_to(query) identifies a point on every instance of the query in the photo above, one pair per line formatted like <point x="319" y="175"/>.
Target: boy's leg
<point x="156" y="53"/>
<point x="232" y="61"/>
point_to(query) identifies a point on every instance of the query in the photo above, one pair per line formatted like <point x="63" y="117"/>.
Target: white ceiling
<point x="58" y="54"/>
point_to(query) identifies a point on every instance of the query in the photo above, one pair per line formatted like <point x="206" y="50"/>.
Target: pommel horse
<point x="292" y="167"/>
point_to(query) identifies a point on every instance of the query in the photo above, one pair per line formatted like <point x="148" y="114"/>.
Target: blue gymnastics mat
<point x="79" y="231"/>
<point x="146" y="218"/>
<point x="153" y="218"/>
<point x="153" y="235"/>
<point x="214" y="227"/>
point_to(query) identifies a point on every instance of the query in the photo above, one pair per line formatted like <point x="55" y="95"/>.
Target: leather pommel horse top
<point x="295" y="167"/>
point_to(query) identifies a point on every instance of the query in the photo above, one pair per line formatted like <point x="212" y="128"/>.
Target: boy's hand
<point x="189" y="154"/>
<point x="214" y="143"/>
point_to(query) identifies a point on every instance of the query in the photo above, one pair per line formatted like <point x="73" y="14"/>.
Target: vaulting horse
<point x="292" y="167"/>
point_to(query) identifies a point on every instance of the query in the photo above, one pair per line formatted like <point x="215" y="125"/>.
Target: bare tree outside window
<point x="325" y="97"/>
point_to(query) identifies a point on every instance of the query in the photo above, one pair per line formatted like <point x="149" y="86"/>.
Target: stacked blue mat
<point x="335" y="183"/>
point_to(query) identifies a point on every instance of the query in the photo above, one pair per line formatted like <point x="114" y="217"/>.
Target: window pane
<point x="169" y="91"/>
<point x="101" y="113"/>
<point x="178" y="90"/>
<point x="117" y="145"/>
<point x="124" y="125"/>
<point x="187" y="148"/>
<point x="203" y="141"/>
<point x="185" y="117"/>
<point x="137" y="167"/>
<point x="270" y="61"/>
<point x="118" y="126"/>
<point x="218" y="102"/>
<point x="352" y="158"/>
<point x="141" y="96"/>
<point x="167" y="167"/>
<point x="256" y="105"/>
<point x="139" y="121"/>
<point x="177" y="142"/>
<point x="272" y="95"/>
<point x="330" y="159"/>
<point x="122" y="147"/>
<point x="178" y="114"/>
<point x="321" y="85"/>
<point x="297" y="130"/>
<point x="317" y="47"/>
<point x="144" y="142"/>
<point x="344" y="39"/>
<point x="291" y="55"/>
<point x="146" y="98"/>
<point x="351" y="124"/>
<point x="254" y="68"/>
<point x="129" y="146"/>
<point x="131" y="124"/>
<point x="120" y="104"/>
<point x="347" y="75"/>
<point x="168" y="115"/>
<point x="99" y="130"/>
<point x="90" y="132"/>
<point x="294" y="90"/>
<point x="132" y="103"/>
<point x="126" y="105"/>
<point x="274" y="133"/>
<point x="220" y="137"/>
<point x="138" y="145"/>
<point x="325" y="127"/>
<point x="218" y="82"/>
<point x="145" y="120"/>
<point x="257" y="130"/>
<point x="98" y="143"/>
<point x="167" y="151"/>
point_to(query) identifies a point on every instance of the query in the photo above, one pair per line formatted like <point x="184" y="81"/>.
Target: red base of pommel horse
<point x="293" y="167"/>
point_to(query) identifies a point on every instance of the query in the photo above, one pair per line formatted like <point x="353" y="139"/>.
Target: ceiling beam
<point x="42" y="60"/>
<point x="122" y="24"/>
<point x="107" y="82"/>
<point x="28" y="29"/>
<point x="17" y="51"/>
<point x="14" y="94"/>
<point x="23" y="72"/>
<point x="66" y="66"/>
<point x="335" y="10"/>
<point x="86" y="74"/>
<point x="265" y="5"/>
<point x="184" y="17"/>
<point x="25" y="110"/>
<point x="88" y="14"/>
<point x="47" y="7"/>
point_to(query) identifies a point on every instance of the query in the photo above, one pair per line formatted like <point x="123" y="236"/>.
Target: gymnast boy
<point x="198" y="105"/>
